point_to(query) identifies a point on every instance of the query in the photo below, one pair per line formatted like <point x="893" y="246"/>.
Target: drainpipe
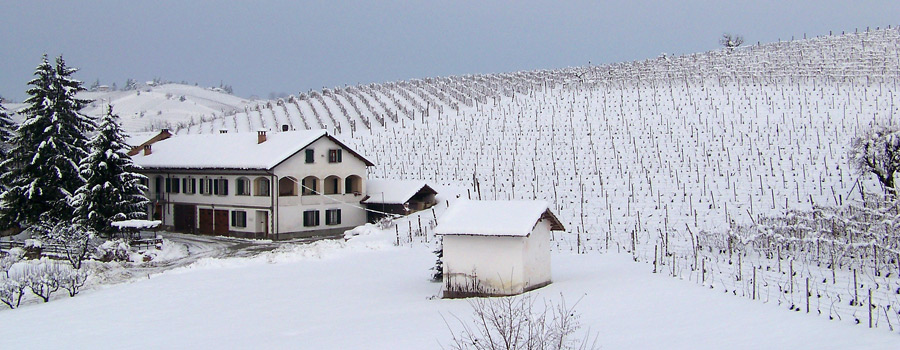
<point x="274" y="206"/>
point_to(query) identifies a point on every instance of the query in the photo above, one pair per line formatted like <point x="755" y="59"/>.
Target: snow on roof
<point x="493" y="218"/>
<point x="228" y="151"/>
<point x="135" y="223"/>
<point x="389" y="191"/>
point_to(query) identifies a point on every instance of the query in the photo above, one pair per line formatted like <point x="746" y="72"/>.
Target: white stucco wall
<point x="537" y="255"/>
<point x="291" y="208"/>
<point x="498" y="265"/>
<point x="249" y="204"/>
<point x="494" y="263"/>
<point x="288" y="216"/>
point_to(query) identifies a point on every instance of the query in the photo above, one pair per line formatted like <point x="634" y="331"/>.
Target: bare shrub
<point x="8" y="259"/>
<point x="72" y="280"/>
<point x="731" y="41"/>
<point x="12" y="289"/>
<point x="43" y="279"/>
<point x="76" y="240"/>
<point x="877" y="151"/>
<point x="514" y="323"/>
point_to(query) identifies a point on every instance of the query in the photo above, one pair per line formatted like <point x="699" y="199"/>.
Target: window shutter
<point x="233" y="218"/>
<point x="184" y="185"/>
<point x="338" y="216"/>
<point x="215" y="186"/>
<point x="193" y="185"/>
<point x="240" y="187"/>
<point x="317" y="217"/>
<point x="224" y="187"/>
<point x="168" y="185"/>
<point x="175" y="185"/>
<point x="339" y="156"/>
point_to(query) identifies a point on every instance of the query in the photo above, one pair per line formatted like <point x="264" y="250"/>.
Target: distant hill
<point x="163" y="106"/>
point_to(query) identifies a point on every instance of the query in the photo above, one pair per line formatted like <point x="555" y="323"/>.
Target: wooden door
<point x="206" y="221"/>
<point x="221" y="222"/>
<point x="185" y="217"/>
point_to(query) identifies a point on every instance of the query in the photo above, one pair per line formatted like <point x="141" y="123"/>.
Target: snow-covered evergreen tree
<point x="438" y="274"/>
<point x="112" y="190"/>
<point x="46" y="149"/>
<point x="6" y="132"/>
<point x="7" y="127"/>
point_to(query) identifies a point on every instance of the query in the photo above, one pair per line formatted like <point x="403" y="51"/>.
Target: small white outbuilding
<point x="496" y="248"/>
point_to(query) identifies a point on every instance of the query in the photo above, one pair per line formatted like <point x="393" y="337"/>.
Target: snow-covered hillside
<point x="649" y="156"/>
<point x="162" y="106"/>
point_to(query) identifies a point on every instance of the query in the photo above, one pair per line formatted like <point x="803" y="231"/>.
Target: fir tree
<point x="6" y="133"/>
<point x="46" y="149"/>
<point x="438" y="274"/>
<point x="7" y="128"/>
<point x="112" y="190"/>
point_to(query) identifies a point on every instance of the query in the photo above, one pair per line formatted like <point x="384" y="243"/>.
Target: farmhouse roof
<point x="495" y="218"/>
<point x="389" y="191"/>
<point x="231" y="150"/>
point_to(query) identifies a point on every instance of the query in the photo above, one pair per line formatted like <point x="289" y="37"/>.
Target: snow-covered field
<point x="368" y="294"/>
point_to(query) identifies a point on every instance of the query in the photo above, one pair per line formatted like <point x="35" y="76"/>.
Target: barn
<point x="496" y="248"/>
<point x="401" y="197"/>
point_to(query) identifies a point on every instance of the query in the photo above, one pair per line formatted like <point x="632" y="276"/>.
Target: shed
<point x="496" y="248"/>
<point x="400" y="197"/>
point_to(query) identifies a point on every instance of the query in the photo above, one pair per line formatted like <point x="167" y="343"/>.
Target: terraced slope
<point x="650" y="156"/>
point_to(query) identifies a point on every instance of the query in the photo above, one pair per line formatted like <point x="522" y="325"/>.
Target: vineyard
<point x="727" y="168"/>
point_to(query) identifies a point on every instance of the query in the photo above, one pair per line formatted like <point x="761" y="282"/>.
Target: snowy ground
<point x="369" y="294"/>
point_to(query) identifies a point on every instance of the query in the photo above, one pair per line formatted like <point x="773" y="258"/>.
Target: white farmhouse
<point x="268" y="185"/>
<point x="496" y="248"/>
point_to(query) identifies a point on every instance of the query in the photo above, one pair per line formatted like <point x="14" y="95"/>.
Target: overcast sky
<point x="262" y="47"/>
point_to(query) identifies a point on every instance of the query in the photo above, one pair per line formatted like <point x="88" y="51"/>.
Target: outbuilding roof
<point x="389" y="191"/>
<point x="231" y="150"/>
<point x="495" y="218"/>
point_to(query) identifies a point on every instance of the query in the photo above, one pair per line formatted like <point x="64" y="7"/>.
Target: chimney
<point x="284" y="127"/>
<point x="147" y="150"/>
<point x="260" y="136"/>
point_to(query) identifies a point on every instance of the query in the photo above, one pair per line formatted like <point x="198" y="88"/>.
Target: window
<point x="310" y="156"/>
<point x="238" y="218"/>
<point x="243" y="186"/>
<point x="175" y="185"/>
<point x="334" y="156"/>
<point x="159" y="186"/>
<point x="220" y="187"/>
<point x="352" y="184"/>
<point x="311" y="218"/>
<point x="332" y="185"/>
<point x="310" y="185"/>
<point x="189" y="185"/>
<point x="262" y="186"/>
<point x="333" y="217"/>
<point x="205" y="185"/>
<point x="287" y="186"/>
